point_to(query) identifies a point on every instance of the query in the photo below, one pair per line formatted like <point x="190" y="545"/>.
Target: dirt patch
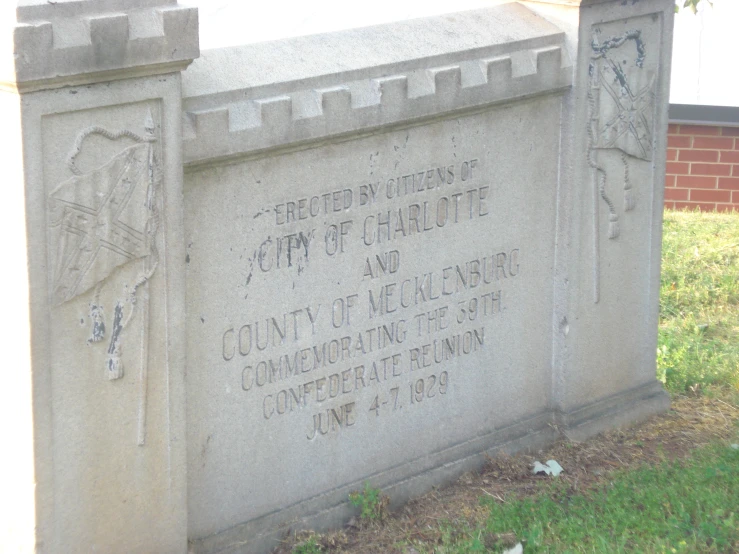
<point x="692" y="422"/>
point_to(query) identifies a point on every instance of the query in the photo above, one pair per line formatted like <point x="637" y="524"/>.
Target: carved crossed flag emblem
<point x="621" y="100"/>
<point x="620" y="117"/>
<point x="103" y="220"/>
<point x="626" y="114"/>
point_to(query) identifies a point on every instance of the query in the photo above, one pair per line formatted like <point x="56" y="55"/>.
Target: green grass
<point x="684" y="506"/>
<point x="371" y="502"/>
<point x="699" y="301"/>
<point x="690" y="505"/>
<point x="308" y="546"/>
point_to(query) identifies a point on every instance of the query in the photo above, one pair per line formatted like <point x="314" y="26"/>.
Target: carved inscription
<point x="410" y="215"/>
<point x="395" y="344"/>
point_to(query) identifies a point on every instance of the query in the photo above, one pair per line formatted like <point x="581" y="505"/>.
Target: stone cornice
<point x="285" y="111"/>
<point x="76" y="42"/>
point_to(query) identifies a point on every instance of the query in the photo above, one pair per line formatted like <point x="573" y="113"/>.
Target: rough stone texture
<point x="390" y="334"/>
<point x="109" y="406"/>
<point x="607" y="289"/>
<point x="101" y="185"/>
<point x="377" y="266"/>
<point x="86" y="41"/>
<point x="240" y="100"/>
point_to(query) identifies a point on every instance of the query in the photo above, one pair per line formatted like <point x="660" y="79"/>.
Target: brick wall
<point x="702" y="168"/>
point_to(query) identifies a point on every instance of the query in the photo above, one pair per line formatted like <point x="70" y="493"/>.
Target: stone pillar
<point x="92" y="220"/>
<point x="609" y="221"/>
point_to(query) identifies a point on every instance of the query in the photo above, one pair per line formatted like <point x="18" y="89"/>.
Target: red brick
<point x="719" y="143"/>
<point x="726" y="208"/>
<point x="735" y="172"/>
<point x="669" y="180"/>
<point x="723" y="170"/>
<point x="673" y="128"/>
<point x="699" y="130"/>
<point x="676" y="194"/>
<point x="678" y="168"/>
<point x="671" y="154"/>
<point x="699" y="155"/>
<point x="669" y="206"/>
<point x="730" y="157"/>
<point x="674" y="141"/>
<point x="735" y="197"/>
<point x="728" y="131"/>
<point x="691" y="182"/>
<point x="694" y="206"/>
<point x="710" y="195"/>
<point x="730" y="183"/>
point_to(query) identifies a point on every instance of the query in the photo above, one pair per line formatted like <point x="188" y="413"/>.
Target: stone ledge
<point x="64" y="43"/>
<point x="401" y="483"/>
<point x="256" y="97"/>
<point x="414" y="478"/>
<point x="625" y="408"/>
<point x="302" y="115"/>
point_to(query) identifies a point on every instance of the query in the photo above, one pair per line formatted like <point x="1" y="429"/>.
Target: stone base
<point x="401" y="483"/>
<point x="412" y="479"/>
<point x="615" y="411"/>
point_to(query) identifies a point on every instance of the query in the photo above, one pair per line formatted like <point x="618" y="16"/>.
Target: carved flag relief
<point x="100" y="219"/>
<point x="627" y="93"/>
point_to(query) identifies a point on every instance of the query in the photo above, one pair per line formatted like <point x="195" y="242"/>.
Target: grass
<point x="371" y="502"/>
<point x="699" y="301"/>
<point x="682" y="503"/>
<point x="308" y="546"/>
<point x="689" y="505"/>
<point x="681" y="506"/>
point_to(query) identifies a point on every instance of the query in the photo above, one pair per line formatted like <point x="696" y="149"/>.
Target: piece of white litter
<point x="550" y="468"/>
<point x="735" y="446"/>
<point x="518" y="549"/>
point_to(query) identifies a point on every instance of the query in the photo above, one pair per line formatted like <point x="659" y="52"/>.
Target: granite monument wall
<point x="246" y="284"/>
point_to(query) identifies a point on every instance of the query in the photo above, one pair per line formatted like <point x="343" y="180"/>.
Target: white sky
<point x="229" y="22"/>
<point x="704" y="68"/>
<point x="704" y="51"/>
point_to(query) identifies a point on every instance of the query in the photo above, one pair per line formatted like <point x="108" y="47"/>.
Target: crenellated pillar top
<point x="73" y="42"/>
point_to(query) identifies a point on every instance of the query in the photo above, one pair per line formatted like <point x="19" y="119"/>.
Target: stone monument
<point x="240" y="287"/>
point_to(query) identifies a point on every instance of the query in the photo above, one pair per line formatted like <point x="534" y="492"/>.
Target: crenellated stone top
<point x="70" y="42"/>
<point x="381" y="77"/>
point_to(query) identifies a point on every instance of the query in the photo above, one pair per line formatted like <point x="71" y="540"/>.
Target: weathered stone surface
<point x="101" y="180"/>
<point x="87" y="41"/>
<point x="373" y="255"/>
<point x="414" y="258"/>
<point x="259" y="96"/>
<point x="607" y="287"/>
<point x="106" y="277"/>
